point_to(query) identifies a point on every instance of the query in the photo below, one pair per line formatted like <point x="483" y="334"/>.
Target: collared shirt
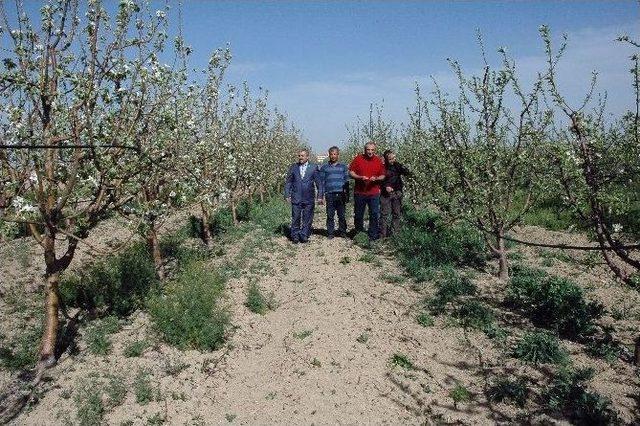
<point x="369" y="167"/>
<point x="303" y="169"/>
<point x="334" y="177"/>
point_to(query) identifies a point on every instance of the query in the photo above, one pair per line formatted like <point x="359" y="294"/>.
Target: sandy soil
<point x="323" y="355"/>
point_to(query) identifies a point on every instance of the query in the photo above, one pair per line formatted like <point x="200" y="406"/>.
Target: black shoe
<point x="295" y="241"/>
<point x="330" y="236"/>
<point x="303" y="240"/>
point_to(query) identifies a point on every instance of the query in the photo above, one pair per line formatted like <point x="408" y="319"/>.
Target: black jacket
<point x="393" y="176"/>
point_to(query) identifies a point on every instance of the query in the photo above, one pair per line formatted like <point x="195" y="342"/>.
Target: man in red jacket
<point x="368" y="171"/>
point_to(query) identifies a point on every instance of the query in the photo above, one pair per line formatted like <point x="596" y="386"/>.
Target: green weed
<point x="507" y="389"/>
<point x="188" y="312"/>
<point x="363" y="338"/>
<point x="116" y="390"/>
<point x="97" y="335"/>
<point x="553" y="302"/>
<point x="401" y="360"/>
<point x="302" y="334"/>
<point x="426" y="242"/>
<point x="120" y="284"/>
<point x="474" y="314"/>
<point x="540" y="348"/>
<point x="142" y="387"/>
<point x="89" y="406"/>
<point x="568" y="395"/>
<point x="256" y="301"/>
<point x="449" y="287"/>
<point x="135" y="349"/>
<point x="459" y="394"/>
<point x="424" y="319"/>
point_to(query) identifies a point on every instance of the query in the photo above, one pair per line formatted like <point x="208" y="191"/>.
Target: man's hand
<point x="389" y="189"/>
<point x="365" y="178"/>
<point x="288" y="199"/>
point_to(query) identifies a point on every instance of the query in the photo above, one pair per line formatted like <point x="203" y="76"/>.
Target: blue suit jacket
<point x="303" y="190"/>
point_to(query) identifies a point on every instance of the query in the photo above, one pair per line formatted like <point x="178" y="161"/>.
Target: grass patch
<point x="367" y="257"/>
<point x="568" y="394"/>
<point x="256" y="301"/>
<point x="540" y="348"/>
<point x="97" y="336"/>
<point x="188" y="313"/>
<point x="363" y="338"/>
<point x="506" y="389"/>
<point x="118" y="284"/>
<point x="401" y="360"/>
<point x="424" y="319"/>
<point x="20" y="351"/>
<point x="90" y="409"/>
<point x="474" y="314"/>
<point x="427" y="242"/>
<point x="553" y="302"/>
<point x="142" y="387"/>
<point x="392" y="278"/>
<point x="450" y="286"/>
<point x="302" y="334"/>
<point x="135" y="349"/>
<point x="459" y="394"/>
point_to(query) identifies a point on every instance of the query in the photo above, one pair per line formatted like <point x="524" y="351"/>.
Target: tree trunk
<point x="262" y="194"/>
<point x="51" y="322"/>
<point x="501" y="252"/>
<point x="206" y="231"/>
<point x="234" y="213"/>
<point x="154" y="250"/>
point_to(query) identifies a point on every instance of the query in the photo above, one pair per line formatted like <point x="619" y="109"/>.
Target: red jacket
<point x="369" y="167"/>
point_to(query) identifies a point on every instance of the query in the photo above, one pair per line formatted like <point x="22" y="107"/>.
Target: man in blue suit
<point x="303" y="179"/>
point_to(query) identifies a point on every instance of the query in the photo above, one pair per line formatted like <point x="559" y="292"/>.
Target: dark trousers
<point x="390" y="206"/>
<point x="301" y="220"/>
<point x="372" y="202"/>
<point x="335" y="204"/>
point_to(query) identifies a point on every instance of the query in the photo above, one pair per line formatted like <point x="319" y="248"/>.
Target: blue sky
<point x="325" y="62"/>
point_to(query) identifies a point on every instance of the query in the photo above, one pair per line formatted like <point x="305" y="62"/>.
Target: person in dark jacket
<point x="303" y="180"/>
<point x="391" y="195"/>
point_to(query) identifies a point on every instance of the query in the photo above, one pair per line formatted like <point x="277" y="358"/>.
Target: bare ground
<point x="324" y="354"/>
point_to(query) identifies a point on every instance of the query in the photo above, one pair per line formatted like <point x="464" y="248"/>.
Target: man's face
<point x="303" y="157"/>
<point x="370" y="150"/>
<point x="334" y="156"/>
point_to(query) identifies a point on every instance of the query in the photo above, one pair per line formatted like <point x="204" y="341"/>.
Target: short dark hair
<point x="386" y="153"/>
<point x="334" y="148"/>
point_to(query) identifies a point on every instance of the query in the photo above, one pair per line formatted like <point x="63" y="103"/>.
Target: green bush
<point x="135" y="349"/>
<point x="118" y="284"/>
<point x="256" y="301"/>
<point x="540" y="348"/>
<point x="553" y="302"/>
<point x="449" y="287"/>
<point x="426" y="242"/>
<point x="20" y="351"/>
<point x="90" y="408"/>
<point x="97" y="335"/>
<point x="475" y="314"/>
<point x="188" y="312"/>
<point x="273" y="215"/>
<point x="507" y="389"/>
<point x="568" y="395"/>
